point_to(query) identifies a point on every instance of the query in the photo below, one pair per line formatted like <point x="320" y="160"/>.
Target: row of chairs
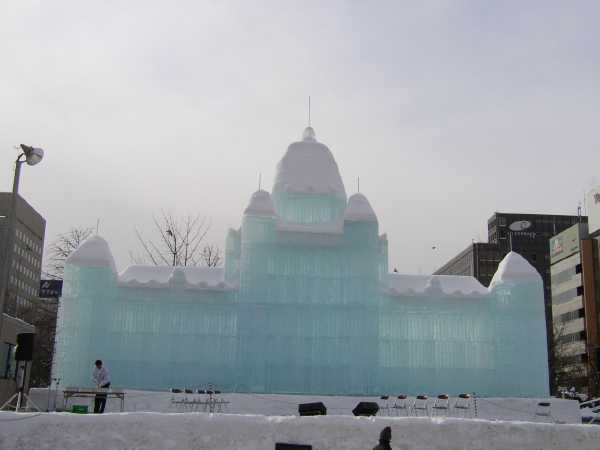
<point x="422" y="405"/>
<point x="195" y="400"/>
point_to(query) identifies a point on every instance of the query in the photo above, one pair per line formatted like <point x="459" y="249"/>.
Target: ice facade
<point x="304" y="304"/>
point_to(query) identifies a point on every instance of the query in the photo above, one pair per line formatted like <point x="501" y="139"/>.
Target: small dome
<point x="260" y="205"/>
<point x="514" y="268"/>
<point x="309" y="134"/>
<point x="93" y="252"/>
<point x="359" y="210"/>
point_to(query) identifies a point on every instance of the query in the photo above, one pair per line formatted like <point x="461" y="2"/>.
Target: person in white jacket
<point x="101" y="378"/>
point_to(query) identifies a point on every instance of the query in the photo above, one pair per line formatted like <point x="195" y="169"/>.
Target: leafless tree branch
<point x="178" y="241"/>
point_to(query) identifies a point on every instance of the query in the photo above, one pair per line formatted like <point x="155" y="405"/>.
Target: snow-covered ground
<point x="255" y="421"/>
<point x="253" y="432"/>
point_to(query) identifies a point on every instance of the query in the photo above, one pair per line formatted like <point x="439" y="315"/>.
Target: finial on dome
<point x="309" y="134"/>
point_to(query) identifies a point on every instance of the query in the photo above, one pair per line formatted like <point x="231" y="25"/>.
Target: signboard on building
<point x="565" y="244"/>
<point x="50" y="288"/>
<point x="592" y="203"/>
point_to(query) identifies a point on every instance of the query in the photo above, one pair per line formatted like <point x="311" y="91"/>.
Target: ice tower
<point x="304" y="304"/>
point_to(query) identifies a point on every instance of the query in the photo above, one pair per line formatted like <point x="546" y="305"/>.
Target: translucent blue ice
<point x="304" y="304"/>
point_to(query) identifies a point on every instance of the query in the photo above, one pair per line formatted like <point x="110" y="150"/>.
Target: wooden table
<point x="71" y="392"/>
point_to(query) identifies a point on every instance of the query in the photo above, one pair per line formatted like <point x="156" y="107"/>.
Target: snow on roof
<point x="359" y="209"/>
<point x="514" y="267"/>
<point x="210" y="278"/>
<point x="401" y="284"/>
<point x="308" y="167"/>
<point x="336" y="227"/>
<point x="260" y="204"/>
<point x="93" y="252"/>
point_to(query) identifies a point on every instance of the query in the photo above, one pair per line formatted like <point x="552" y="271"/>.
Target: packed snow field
<point x="153" y="421"/>
<point x="252" y="432"/>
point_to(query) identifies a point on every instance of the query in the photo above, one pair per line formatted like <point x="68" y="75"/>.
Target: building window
<point x="7" y="360"/>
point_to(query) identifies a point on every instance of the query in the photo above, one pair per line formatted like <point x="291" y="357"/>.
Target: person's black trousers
<point x="100" y="401"/>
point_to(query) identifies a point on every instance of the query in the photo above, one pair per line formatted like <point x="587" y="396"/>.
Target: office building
<point x="24" y="278"/>
<point x="574" y="273"/>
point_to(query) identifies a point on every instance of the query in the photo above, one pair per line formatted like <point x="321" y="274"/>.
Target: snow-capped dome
<point x="260" y="204"/>
<point x="359" y="209"/>
<point x="93" y="252"/>
<point x="514" y="268"/>
<point x="308" y="167"/>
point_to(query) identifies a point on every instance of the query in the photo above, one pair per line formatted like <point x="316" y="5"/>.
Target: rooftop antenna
<point x="309" y="110"/>
<point x="579" y="212"/>
<point x="97" y="226"/>
<point x="358" y="184"/>
<point x="259" y="180"/>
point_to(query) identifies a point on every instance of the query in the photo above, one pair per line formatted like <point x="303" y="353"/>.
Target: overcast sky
<point x="447" y="110"/>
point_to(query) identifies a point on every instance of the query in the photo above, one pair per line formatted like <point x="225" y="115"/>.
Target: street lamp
<point x="31" y="156"/>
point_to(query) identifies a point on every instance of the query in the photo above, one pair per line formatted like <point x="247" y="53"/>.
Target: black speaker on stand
<point x="23" y="356"/>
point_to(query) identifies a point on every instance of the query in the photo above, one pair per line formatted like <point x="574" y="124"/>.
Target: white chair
<point x="441" y="407"/>
<point x="421" y="405"/>
<point x="384" y="404"/>
<point x="401" y="404"/>
<point x="463" y="405"/>
<point x="544" y="411"/>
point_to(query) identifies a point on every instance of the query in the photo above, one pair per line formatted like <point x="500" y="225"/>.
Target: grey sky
<point x="448" y="111"/>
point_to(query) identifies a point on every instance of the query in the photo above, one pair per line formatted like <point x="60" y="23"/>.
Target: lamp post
<point x="31" y="156"/>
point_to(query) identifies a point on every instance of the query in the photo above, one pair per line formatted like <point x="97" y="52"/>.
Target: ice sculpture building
<point x="304" y="304"/>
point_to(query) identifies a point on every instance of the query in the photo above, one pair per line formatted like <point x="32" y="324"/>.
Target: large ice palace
<point x="304" y="304"/>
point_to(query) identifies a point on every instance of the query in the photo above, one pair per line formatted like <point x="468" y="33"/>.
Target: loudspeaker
<point x="280" y="446"/>
<point x="366" y="409"/>
<point x="24" y="351"/>
<point x="312" y="409"/>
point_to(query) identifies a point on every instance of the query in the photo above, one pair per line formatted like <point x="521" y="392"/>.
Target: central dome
<point x="308" y="187"/>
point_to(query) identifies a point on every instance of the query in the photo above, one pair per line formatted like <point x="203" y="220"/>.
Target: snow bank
<point x="216" y="432"/>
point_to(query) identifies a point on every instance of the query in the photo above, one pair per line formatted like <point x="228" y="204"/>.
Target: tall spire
<point x="309" y="133"/>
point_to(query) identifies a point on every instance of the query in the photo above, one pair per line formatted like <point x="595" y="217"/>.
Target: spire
<point x="309" y="132"/>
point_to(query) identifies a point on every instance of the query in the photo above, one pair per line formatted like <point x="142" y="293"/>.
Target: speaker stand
<point x="20" y="395"/>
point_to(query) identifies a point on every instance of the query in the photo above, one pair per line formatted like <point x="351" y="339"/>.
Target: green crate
<point x="79" y="409"/>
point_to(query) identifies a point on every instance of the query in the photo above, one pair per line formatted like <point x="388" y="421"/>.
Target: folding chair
<point x="421" y="404"/>
<point x="441" y="405"/>
<point x="401" y="404"/>
<point x="463" y="405"/>
<point x="385" y="404"/>
<point x="544" y="410"/>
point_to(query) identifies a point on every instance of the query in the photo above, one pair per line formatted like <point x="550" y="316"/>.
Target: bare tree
<point x="569" y="370"/>
<point x="211" y="255"/>
<point x="62" y="247"/>
<point x="178" y="242"/>
<point x="42" y="314"/>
